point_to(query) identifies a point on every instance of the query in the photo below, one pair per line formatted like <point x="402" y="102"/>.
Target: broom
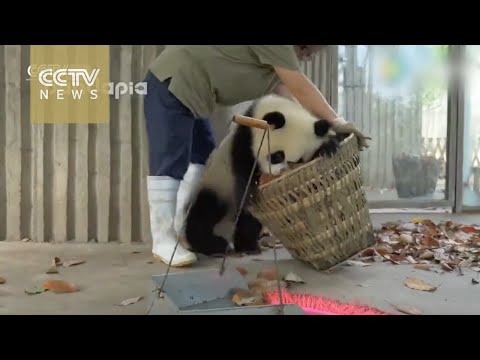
<point x="318" y="305"/>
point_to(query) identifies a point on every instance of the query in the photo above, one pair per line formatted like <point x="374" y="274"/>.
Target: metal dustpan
<point x="206" y="292"/>
<point x="209" y="291"/>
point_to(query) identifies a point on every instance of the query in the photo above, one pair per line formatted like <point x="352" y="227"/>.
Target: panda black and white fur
<point x="295" y="136"/>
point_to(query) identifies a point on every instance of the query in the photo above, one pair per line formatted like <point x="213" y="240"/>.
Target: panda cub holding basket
<point x="295" y="136"/>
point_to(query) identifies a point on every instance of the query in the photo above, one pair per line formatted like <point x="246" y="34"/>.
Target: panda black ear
<point x="275" y="118"/>
<point x="321" y="127"/>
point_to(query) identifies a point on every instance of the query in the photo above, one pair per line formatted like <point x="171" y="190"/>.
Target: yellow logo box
<point x="69" y="84"/>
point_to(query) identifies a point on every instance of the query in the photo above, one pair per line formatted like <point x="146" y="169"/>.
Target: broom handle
<point x="250" y="122"/>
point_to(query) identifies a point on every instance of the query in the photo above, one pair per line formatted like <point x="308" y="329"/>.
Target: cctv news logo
<point x="51" y="76"/>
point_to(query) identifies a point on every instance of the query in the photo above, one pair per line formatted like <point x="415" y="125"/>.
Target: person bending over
<point x="184" y="83"/>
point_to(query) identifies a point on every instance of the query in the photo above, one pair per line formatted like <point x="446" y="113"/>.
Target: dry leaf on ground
<point x="243" y="297"/>
<point x="258" y="282"/>
<point x="2" y="280"/>
<point x="56" y="261"/>
<point x="426" y="267"/>
<point x="465" y="263"/>
<point x="368" y="252"/>
<point x="60" y="286"/>
<point x="357" y="263"/>
<point x="430" y="242"/>
<point x="73" y="262"/>
<point x="422" y="241"/>
<point x="35" y="290"/>
<point x="407" y="227"/>
<point x="259" y="286"/>
<point x="273" y="285"/>
<point x="410" y="310"/>
<point x="267" y="274"/>
<point x="446" y="266"/>
<point x="406" y="238"/>
<point x="469" y="229"/>
<point x="257" y="290"/>
<point x="131" y="301"/>
<point x="418" y="284"/>
<point x="417" y="220"/>
<point x="291" y="277"/>
<point x="242" y="270"/>
<point x="426" y="255"/>
<point x="52" y="270"/>
<point x="410" y="259"/>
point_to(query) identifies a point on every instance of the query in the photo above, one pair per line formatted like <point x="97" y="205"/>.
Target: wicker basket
<point x="318" y="210"/>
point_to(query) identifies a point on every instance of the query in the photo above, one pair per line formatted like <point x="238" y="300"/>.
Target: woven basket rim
<point x="303" y="166"/>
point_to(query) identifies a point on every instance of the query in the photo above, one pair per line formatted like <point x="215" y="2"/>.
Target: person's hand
<point x="343" y="127"/>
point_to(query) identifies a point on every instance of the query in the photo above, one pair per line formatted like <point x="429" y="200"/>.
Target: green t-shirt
<point x="205" y="75"/>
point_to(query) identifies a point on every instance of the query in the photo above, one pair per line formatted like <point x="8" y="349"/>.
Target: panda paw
<point x="329" y="149"/>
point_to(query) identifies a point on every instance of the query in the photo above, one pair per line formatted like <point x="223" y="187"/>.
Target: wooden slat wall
<point x="87" y="182"/>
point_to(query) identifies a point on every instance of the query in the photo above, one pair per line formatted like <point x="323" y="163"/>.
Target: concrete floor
<point x="113" y="273"/>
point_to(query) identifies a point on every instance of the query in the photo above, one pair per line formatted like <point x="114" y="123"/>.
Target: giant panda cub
<point x="295" y="136"/>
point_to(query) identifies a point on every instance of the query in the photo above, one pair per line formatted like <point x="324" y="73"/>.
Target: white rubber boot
<point x="162" y="197"/>
<point x="188" y="186"/>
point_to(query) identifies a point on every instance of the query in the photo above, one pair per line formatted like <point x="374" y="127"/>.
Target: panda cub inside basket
<point x="318" y="210"/>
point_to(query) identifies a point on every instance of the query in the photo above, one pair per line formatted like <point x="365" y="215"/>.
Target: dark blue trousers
<point x="175" y="137"/>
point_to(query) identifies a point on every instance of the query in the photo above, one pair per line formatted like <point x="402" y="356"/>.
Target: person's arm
<point x="285" y="62"/>
<point x="296" y="85"/>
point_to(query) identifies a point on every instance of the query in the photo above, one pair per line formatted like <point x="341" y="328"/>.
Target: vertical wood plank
<point x="27" y="149"/>
<point x="81" y="178"/>
<point x="13" y="141"/>
<point x="125" y="149"/>
<point x="36" y="219"/>
<point x="136" y="150"/>
<point x="81" y="182"/>
<point x="3" y="194"/>
<point x="60" y="177"/>
<point x="38" y="186"/>
<point x="102" y="181"/>
<point x="139" y="192"/>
